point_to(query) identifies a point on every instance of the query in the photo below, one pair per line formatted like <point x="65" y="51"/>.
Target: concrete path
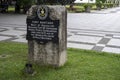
<point x="99" y="30"/>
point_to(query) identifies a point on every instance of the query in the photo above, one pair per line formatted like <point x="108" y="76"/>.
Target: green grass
<point x="81" y="65"/>
<point x="11" y="8"/>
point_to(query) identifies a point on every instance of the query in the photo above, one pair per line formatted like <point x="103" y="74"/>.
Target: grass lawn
<point x="81" y="65"/>
<point x="11" y="8"/>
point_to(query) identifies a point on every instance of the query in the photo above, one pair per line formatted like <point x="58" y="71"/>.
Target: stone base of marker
<point x="50" y="53"/>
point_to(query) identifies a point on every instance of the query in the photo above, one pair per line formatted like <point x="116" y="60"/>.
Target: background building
<point x="85" y="1"/>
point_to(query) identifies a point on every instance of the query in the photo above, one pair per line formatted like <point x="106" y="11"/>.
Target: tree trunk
<point x="17" y="8"/>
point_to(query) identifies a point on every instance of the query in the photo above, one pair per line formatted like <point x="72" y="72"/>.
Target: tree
<point x="25" y="4"/>
<point x="103" y="1"/>
<point x="63" y="2"/>
<point x="99" y="5"/>
<point x="17" y="6"/>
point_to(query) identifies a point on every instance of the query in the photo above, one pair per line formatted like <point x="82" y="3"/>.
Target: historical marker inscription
<point x="42" y="30"/>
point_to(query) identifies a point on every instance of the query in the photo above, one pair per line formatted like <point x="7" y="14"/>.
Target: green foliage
<point x="63" y="2"/>
<point x="99" y="3"/>
<point x="109" y="5"/>
<point x="25" y="2"/>
<point x="87" y="5"/>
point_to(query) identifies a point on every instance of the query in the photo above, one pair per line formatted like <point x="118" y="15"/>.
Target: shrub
<point x="87" y="5"/>
<point x="63" y="2"/>
<point x="99" y="4"/>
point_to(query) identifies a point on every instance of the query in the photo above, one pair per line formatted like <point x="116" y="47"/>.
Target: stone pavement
<point x="99" y="30"/>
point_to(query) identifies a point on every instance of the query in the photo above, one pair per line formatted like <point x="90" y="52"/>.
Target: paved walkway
<point x="99" y="30"/>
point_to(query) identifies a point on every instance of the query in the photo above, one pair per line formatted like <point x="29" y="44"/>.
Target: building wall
<point x="85" y="1"/>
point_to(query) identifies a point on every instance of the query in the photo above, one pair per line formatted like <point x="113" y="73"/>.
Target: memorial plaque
<point x="47" y="35"/>
<point x="41" y="28"/>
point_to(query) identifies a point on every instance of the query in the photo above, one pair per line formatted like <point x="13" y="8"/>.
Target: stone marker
<point x="47" y="35"/>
